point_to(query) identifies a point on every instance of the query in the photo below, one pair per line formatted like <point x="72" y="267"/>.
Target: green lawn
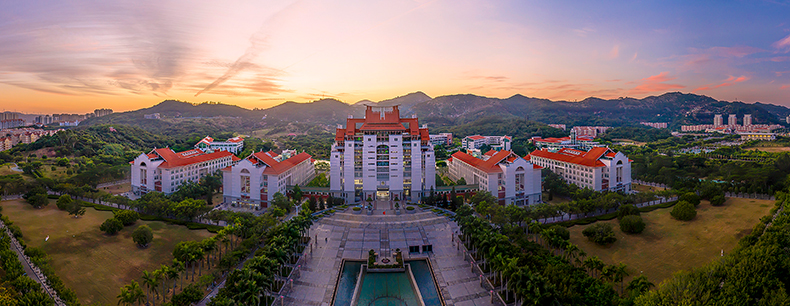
<point x="93" y="264"/>
<point x="668" y="245"/>
<point x="5" y="169"/>
<point x="645" y="188"/>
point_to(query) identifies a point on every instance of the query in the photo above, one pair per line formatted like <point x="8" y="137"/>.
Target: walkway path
<point x="349" y="236"/>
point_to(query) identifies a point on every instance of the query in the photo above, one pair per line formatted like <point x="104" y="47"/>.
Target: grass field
<point x="5" y="169"/>
<point x="93" y="264"/>
<point x="668" y="245"/>
<point x="770" y="149"/>
<point x="645" y="188"/>
<point x="636" y="143"/>
<point x="118" y="189"/>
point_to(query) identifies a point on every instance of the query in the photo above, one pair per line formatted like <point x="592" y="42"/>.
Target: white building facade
<point x="599" y="169"/>
<point x="208" y="144"/>
<point x="498" y="143"/>
<point x="382" y="156"/>
<point x="164" y="170"/>
<point x="252" y="182"/>
<point x="510" y="178"/>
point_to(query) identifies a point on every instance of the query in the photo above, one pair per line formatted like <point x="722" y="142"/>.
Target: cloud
<point x="615" y="52"/>
<point x="633" y="58"/>
<point x="654" y="83"/>
<point x="258" y="43"/>
<point x="783" y="44"/>
<point x="728" y="82"/>
<point x="584" y="31"/>
<point x="784" y="87"/>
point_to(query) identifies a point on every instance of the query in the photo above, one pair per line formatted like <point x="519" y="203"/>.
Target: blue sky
<point x="84" y="54"/>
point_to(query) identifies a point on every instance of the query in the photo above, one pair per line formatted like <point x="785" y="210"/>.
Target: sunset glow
<point x="75" y="56"/>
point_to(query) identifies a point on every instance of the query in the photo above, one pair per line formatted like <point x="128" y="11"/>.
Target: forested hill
<point x="675" y="108"/>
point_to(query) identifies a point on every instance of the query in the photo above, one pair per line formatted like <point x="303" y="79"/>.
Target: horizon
<point x="84" y="55"/>
<point x="358" y="101"/>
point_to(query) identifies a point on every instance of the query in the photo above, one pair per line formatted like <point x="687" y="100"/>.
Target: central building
<point x="382" y="157"/>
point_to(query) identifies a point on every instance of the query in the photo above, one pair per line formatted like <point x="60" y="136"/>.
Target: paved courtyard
<point x="350" y="236"/>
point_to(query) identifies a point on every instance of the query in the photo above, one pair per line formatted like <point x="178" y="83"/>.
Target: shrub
<point x="718" y="200"/>
<point x="111" y="226"/>
<point x="142" y="235"/>
<point x="684" y="211"/>
<point x="560" y="231"/>
<point x="38" y="200"/>
<point x="632" y="224"/>
<point x="127" y="217"/>
<point x="64" y="202"/>
<point x="627" y="210"/>
<point x="357" y="209"/>
<point x="409" y="208"/>
<point x="690" y="197"/>
<point x="600" y="233"/>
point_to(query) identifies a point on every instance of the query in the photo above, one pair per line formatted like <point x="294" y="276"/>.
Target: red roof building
<point x="381" y="156"/>
<point x="507" y="176"/>
<point x="164" y="170"/>
<point x="599" y="168"/>
<point x="252" y="182"/>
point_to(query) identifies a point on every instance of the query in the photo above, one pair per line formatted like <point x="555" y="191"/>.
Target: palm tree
<point x="174" y="273"/>
<point x="620" y="272"/>
<point x="639" y="285"/>
<point x="148" y="281"/>
<point x="131" y="294"/>
<point x="209" y="245"/>
<point x="594" y="265"/>
<point x="164" y="274"/>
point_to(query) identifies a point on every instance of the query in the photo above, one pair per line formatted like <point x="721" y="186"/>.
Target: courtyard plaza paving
<point x="350" y="236"/>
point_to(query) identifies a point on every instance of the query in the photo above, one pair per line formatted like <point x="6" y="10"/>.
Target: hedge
<point x="189" y="224"/>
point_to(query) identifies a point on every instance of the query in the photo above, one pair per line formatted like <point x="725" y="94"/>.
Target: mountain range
<point x="674" y="108"/>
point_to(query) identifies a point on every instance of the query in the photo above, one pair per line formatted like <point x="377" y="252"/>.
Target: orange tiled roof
<point x="275" y="167"/>
<point x="173" y="159"/>
<point x="589" y="159"/>
<point x="490" y="165"/>
<point x="475" y="137"/>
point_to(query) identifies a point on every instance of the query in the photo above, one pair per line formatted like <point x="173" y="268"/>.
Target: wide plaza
<point x="347" y="235"/>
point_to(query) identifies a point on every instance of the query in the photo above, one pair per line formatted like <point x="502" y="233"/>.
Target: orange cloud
<point x="655" y="83"/>
<point x="728" y="82"/>
<point x="784" y="87"/>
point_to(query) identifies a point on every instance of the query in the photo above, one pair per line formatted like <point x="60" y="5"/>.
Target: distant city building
<point x="102" y="112"/>
<point x="747" y="120"/>
<point x="442" y="139"/>
<point x="382" y="156"/>
<point x="69" y="123"/>
<point x="164" y="170"/>
<point x="498" y="143"/>
<point x="718" y="120"/>
<point x="732" y="126"/>
<point x="558" y="126"/>
<point x="14" y="137"/>
<point x="572" y="141"/>
<point x="252" y="182"/>
<point x="599" y="169"/>
<point x="44" y="119"/>
<point x="592" y="131"/>
<point x="9" y="116"/>
<point x="758" y="136"/>
<point x="510" y="178"/>
<point x="11" y="123"/>
<point x="209" y="145"/>
<point x="732" y="120"/>
<point x="658" y="125"/>
<point x="152" y="116"/>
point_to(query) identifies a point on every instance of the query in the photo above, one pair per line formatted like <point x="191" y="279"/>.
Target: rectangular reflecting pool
<point x="358" y="287"/>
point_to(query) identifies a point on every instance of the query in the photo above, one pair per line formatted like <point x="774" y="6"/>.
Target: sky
<point x="79" y="55"/>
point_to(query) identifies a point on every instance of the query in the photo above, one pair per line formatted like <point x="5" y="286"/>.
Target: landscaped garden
<point x="88" y="261"/>
<point x="668" y="245"/>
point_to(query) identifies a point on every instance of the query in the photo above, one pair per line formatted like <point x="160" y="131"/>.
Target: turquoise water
<point x="424" y="280"/>
<point x="387" y="289"/>
<point x="348" y="280"/>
